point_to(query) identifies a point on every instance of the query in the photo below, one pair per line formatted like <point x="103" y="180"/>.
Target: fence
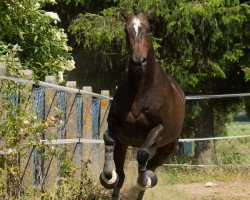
<point x="77" y="118"/>
<point x="66" y="113"/>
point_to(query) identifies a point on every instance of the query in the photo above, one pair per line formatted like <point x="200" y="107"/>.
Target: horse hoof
<point x="153" y="177"/>
<point x="148" y="180"/>
<point x="109" y="183"/>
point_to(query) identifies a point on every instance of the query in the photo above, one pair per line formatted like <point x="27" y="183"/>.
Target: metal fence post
<point x="95" y="131"/>
<point x="79" y="133"/>
<point x="52" y="122"/>
<point x="39" y="107"/>
<point x="188" y="148"/>
<point x="79" y="121"/>
<point x="61" y="105"/>
<point x="35" y="169"/>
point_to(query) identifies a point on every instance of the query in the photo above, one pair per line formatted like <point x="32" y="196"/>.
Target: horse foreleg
<point x="119" y="159"/>
<point x="148" y="178"/>
<point x="108" y="177"/>
<point x="157" y="160"/>
<point x="162" y="154"/>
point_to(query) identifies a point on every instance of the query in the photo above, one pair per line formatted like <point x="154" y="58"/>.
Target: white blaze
<point x="137" y="24"/>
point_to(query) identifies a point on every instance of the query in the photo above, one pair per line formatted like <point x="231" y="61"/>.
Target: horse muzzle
<point x="139" y="62"/>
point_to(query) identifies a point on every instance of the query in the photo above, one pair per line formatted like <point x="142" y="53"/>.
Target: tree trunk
<point x="204" y="127"/>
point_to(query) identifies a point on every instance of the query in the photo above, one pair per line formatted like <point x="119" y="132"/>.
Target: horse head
<point x="138" y="38"/>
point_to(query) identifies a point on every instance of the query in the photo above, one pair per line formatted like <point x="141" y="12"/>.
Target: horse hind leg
<point x="108" y="177"/>
<point x="140" y="195"/>
<point x="148" y="178"/>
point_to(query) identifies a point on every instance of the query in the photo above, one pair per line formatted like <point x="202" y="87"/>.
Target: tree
<point x="210" y="40"/>
<point x="32" y="35"/>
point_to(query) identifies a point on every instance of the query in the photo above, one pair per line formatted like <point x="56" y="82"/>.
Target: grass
<point x="234" y="151"/>
<point x="176" y="175"/>
<point x="238" y="128"/>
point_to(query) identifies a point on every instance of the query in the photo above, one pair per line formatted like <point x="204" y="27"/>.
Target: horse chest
<point x="140" y="111"/>
<point x="141" y="114"/>
<point x="136" y="119"/>
<point x="135" y="129"/>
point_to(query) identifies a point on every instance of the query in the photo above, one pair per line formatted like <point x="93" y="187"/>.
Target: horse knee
<point x="108" y="139"/>
<point x="142" y="156"/>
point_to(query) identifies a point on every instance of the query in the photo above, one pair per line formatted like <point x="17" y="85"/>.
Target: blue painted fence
<point x="39" y="107"/>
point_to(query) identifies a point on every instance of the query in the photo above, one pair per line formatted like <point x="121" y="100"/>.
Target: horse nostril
<point x="138" y="61"/>
<point x="132" y="60"/>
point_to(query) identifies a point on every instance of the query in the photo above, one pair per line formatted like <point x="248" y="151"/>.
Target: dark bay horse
<point x="147" y="112"/>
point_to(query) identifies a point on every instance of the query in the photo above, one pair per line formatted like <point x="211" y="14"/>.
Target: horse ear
<point x="151" y="13"/>
<point x="124" y="14"/>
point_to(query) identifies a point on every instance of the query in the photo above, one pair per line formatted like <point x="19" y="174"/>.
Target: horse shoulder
<point x="122" y="99"/>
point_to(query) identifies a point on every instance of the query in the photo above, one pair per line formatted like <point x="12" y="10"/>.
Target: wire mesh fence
<point x="226" y="151"/>
<point x="218" y="135"/>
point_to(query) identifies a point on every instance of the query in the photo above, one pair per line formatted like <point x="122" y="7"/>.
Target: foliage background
<point x="195" y="41"/>
<point x="31" y="32"/>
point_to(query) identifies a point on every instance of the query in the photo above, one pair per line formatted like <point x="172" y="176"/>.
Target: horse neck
<point x="147" y="77"/>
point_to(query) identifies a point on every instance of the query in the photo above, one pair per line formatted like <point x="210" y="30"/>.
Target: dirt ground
<point x="230" y="190"/>
<point x="196" y="191"/>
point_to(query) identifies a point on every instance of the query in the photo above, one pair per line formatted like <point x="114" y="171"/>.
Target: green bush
<point x="32" y="33"/>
